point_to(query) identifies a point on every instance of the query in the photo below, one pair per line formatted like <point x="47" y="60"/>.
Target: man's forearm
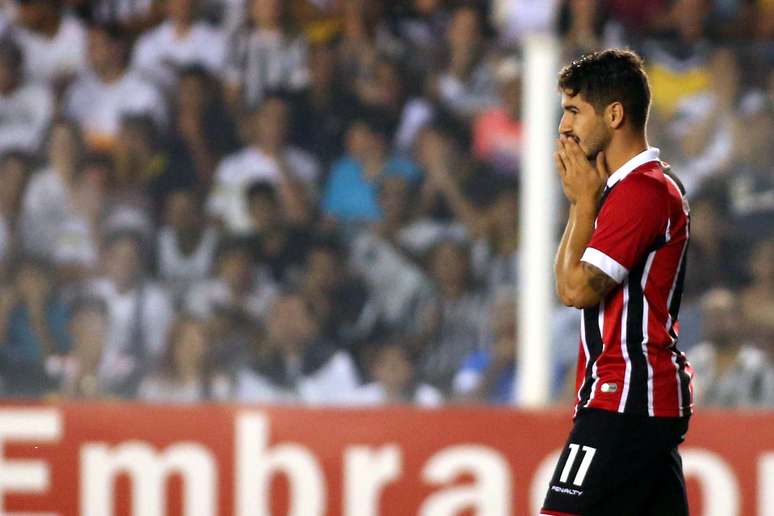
<point x="570" y="276"/>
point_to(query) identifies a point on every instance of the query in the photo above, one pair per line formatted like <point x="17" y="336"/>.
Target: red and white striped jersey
<point x="628" y="360"/>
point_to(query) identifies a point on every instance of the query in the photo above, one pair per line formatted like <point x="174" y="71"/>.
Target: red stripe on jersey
<point x="546" y="512"/>
<point x="636" y="366"/>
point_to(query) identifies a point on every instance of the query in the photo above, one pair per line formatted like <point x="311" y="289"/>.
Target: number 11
<point x="588" y="455"/>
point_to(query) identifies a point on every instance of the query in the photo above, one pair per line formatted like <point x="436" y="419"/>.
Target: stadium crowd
<point x="316" y="201"/>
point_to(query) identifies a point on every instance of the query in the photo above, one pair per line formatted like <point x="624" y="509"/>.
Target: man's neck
<point x="623" y="149"/>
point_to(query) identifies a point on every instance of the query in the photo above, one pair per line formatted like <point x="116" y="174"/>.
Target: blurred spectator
<point x="278" y="246"/>
<point x="382" y="91"/>
<point x="351" y="192"/>
<point x="14" y="173"/>
<point x="33" y="328"/>
<point x="729" y="369"/>
<point x="145" y="173"/>
<point x="699" y="134"/>
<point x="449" y="181"/>
<point x="100" y="96"/>
<point x="364" y="37"/>
<point x="76" y="374"/>
<point x="496" y="255"/>
<point x="321" y="110"/>
<point x="717" y="254"/>
<point x="266" y="55"/>
<point x="186" y="245"/>
<point x="140" y="314"/>
<point x="452" y="323"/>
<point x="232" y="337"/>
<point x="295" y="363"/>
<point x="394" y="380"/>
<point x="203" y="132"/>
<point x="178" y="42"/>
<point x="678" y="64"/>
<point x="757" y="299"/>
<point x="333" y="294"/>
<point x="395" y="281"/>
<point x="53" y="43"/>
<point x="489" y="374"/>
<point x="47" y="200"/>
<point x="420" y="29"/>
<point x="751" y="181"/>
<point x="268" y="157"/>
<point x="183" y="375"/>
<point x="467" y="84"/>
<point x="234" y="286"/>
<point x="497" y="133"/>
<point x="25" y="107"/>
<point x="77" y="241"/>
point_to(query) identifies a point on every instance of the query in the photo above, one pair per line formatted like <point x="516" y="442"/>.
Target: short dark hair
<point x="608" y="76"/>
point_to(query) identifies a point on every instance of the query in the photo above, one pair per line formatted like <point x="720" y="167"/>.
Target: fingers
<point x="574" y="152"/>
<point x="563" y="160"/>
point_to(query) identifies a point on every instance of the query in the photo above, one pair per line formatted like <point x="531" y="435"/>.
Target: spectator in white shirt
<point x="178" y="42"/>
<point x="186" y="246"/>
<point x="76" y="245"/>
<point x="234" y="287"/>
<point x="268" y="157"/>
<point x="140" y="315"/>
<point x="295" y="363"/>
<point x="47" y="201"/>
<point x="54" y="43"/>
<point x="100" y="97"/>
<point x="467" y="85"/>
<point x="394" y="380"/>
<point x="265" y="56"/>
<point x="25" y="107"/>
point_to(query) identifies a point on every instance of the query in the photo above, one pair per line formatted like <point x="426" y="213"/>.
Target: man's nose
<point x="564" y="126"/>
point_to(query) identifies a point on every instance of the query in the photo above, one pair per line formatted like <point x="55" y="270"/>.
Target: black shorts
<point x="619" y="465"/>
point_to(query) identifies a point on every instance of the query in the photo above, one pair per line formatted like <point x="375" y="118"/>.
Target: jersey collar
<point x="646" y="156"/>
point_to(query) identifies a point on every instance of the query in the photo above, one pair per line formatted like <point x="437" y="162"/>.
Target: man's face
<point x="104" y="52"/>
<point x="583" y="124"/>
<point x="290" y="324"/>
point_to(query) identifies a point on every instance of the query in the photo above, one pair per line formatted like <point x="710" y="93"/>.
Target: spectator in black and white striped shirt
<point x="266" y="55"/>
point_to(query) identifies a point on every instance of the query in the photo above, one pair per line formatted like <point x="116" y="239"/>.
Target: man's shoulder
<point x="647" y="183"/>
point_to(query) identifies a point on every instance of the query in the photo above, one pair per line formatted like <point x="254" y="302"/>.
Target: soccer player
<point x="622" y="261"/>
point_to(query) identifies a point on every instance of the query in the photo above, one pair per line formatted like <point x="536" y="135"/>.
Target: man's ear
<point x="614" y="115"/>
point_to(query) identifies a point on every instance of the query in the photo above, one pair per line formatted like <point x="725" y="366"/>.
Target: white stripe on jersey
<point x="624" y="351"/>
<point x="645" y="310"/>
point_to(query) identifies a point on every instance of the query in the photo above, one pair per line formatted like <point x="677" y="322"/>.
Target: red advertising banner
<point x="221" y="460"/>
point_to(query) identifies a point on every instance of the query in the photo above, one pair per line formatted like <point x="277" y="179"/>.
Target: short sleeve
<point x="630" y="222"/>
